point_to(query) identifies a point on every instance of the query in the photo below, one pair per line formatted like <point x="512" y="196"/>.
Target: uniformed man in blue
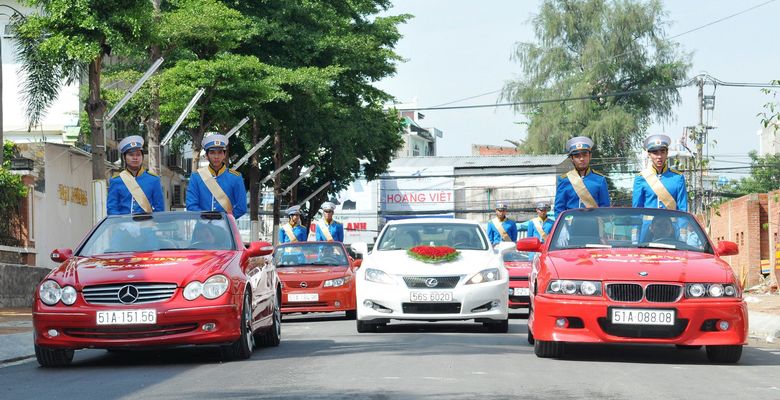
<point x="134" y="190"/>
<point x="501" y="229"/>
<point x="659" y="186"/>
<point x="293" y="231"/>
<point x="582" y="187"/>
<point x="541" y="225"/>
<point x="328" y="229"/>
<point x="215" y="187"/>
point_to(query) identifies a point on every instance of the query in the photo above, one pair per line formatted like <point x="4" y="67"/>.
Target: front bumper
<point x="519" y="298"/>
<point x="328" y="300"/>
<point x="468" y="302"/>
<point x="77" y="327"/>
<point x="695" y="322"/>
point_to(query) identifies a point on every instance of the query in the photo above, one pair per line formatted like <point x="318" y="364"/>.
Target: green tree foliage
<point x="764" y="176"/>
<point x="12" y="192"/>
<point x="590" y="48"/>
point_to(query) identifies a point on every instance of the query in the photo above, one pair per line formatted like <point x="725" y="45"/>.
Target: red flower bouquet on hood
<point x="433" y="254"/>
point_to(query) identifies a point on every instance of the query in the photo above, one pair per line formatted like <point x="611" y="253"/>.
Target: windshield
<point x="517" y="256"/>
<point x="160" y="232"/>
<point x="308" y="254"/>
<point x="458" y="236"/>
<point x="629" y="228"/>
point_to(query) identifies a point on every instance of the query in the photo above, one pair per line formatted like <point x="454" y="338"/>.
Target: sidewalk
<point x="16" y="342"/>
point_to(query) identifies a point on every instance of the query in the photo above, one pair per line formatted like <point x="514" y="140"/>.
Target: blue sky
<point x="457" y="49"/>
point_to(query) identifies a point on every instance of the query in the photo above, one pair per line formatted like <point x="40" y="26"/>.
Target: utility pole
<point x="700" y="150"/>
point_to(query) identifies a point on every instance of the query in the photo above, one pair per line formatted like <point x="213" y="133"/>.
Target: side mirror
<point x="258" y="249"/>
<point x="60" y="255"/>
<point x="360" y="248"/>
<point x="357" y="263"/>
<point x="505" y="247"/>
<point x="529" y="244"/>
<point x="726" y="248"/>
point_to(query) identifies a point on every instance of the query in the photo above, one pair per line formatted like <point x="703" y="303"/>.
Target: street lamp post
<point x="2" y="135"/>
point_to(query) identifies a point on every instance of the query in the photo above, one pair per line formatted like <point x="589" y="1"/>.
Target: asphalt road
<point x="323" y="357"/>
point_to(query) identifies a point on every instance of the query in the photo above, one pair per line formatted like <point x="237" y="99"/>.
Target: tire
<point x="53" y="358"/>
<point x="687" y="347"/>
<point x="242" y="348"/>
<point x="365" y="327"/>
<point x="545" y="349"/>
<point x="351" y="314"/>
<point x="498" y="327"/>
<point x="530" y="336"/>
<point x="724" y="354"/>
<point x="273" y="336"/>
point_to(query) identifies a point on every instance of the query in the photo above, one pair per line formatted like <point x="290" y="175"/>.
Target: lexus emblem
<point x="304" y="284"/>
<point x="431" y="282"/>
<point x="128" y="294"/>
<point x="643" y="273"/>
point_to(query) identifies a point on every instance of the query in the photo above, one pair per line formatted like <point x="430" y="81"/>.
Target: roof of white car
<point x="411" y="221"/>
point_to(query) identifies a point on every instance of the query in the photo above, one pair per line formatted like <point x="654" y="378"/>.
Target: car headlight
<point x="378" y="276"/>
<point x="487" y="275"/>
<point x="336" y="282"/>
<point x="572" y="287"/>
<point x="215" y="286"/>
<point x="68" y="295"/>
<point x="715" y="290"/>
<point x="50" y="292"/>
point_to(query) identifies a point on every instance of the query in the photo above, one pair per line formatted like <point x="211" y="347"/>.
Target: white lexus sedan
<point x="432" y="269"/>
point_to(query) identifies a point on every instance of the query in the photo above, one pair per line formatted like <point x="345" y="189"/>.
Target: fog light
<point x="368" y="304"/>
<point x="561" y="322"/>
<point x="209" y="327"/>
<point x="723" y="325"/>
<point x="53" y="333"/>
<point x="337" y="304"/>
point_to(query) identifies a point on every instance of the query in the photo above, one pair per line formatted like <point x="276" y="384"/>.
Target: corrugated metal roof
<point x="480" y="161"/>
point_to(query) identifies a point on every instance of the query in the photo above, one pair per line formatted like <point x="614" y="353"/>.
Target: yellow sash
<point x="658" y="188"/>
<point x="215" y="189"/>
<point x="538" y="225"/>
<point x="136" y="191"/>
<point x="500" y="228"/>
<point x="325" y="231"/>
<point x="582" y="191"/>
<point x="290" y="233"/>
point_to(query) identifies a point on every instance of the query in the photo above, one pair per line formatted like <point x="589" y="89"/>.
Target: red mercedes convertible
<point x="159" y="280"/>
<point x="316" y="277"/>
<point x="634" y="275"/>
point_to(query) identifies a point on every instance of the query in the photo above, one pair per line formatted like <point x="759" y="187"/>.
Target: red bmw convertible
<point x="316" y="277"/>
<point x="634" y="275"/>
<point x="159" y="280"/>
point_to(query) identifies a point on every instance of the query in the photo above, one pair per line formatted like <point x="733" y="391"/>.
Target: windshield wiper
<point x="653" y="245"/>
<point x="598" y="246"/>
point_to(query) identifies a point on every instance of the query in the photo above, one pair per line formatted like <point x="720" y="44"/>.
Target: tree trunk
<point x="254" y="180"/>
<point x="277" y="183"/>
<point x="153" y="123"/>
<point x="96" y="110"/>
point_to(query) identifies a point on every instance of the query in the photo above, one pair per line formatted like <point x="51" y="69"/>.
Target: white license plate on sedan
<point x="303" y="297"/>
<point x="522" y="291"/>
<point x="642" y="316"/>
<point x="430" y="297"/>
<point x="127" y="317"/>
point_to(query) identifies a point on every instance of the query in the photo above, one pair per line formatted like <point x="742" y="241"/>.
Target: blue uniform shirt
<point x="120" y="201"/>
<point x="336" y="230"/>
<point x="672" y="179"/>
<point x="301" y="233"/>
<point x="509" y="226"/>
<point x="546" y="227"/>
<point x="199" y="197"/>
<point x="566" y="197"/>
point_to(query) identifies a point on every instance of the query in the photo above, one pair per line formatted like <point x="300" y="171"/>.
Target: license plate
<point x="431" y="297"/>
<point x="303" y="297"/>
<point x="522" y="291"/>
<point x="641" y="316"/>
<point x="127" y="317"/>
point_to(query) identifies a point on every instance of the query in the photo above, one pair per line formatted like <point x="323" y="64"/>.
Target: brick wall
<point x="773" y="219"/>
<point x="743" y="221"/>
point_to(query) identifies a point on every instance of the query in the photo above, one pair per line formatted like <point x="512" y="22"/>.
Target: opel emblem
<point x="643" y="273"/>
<point x="128" y="294"/>
<point x="431" y="282"/>
<point x="304" y="284"/>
